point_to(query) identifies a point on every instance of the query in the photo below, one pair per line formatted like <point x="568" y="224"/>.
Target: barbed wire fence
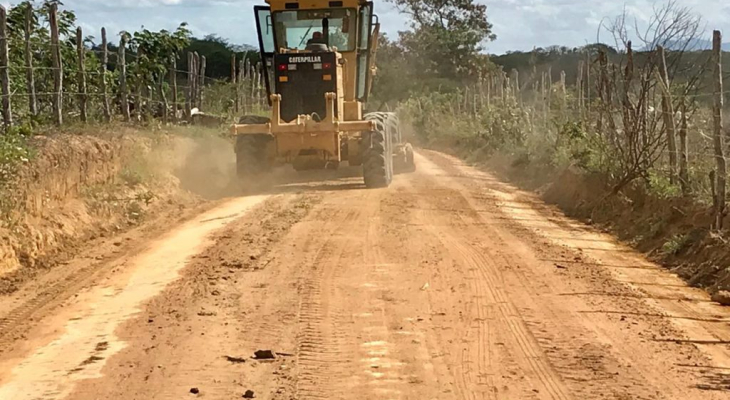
<point x="113" y="92"/>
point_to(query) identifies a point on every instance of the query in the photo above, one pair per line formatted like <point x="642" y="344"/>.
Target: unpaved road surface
<point x="448" y="285"/>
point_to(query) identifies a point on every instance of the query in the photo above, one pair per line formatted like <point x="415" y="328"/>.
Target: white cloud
<point x="523" y="24"/>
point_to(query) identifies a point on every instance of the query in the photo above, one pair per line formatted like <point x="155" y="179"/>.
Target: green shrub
<point x="674" y="245"/>
<point x="661" y="187"/>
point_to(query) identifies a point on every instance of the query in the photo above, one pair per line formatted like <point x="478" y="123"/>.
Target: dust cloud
<point x="205" y="166"/>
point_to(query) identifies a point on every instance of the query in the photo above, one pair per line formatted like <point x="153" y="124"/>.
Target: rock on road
<point x="448" y="285"/>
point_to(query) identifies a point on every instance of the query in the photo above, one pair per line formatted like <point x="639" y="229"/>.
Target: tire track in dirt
<point x="620" y="362"/>
<point x="487" y="282"/>
<point x="387" y="359"/>
<point x="509" y="316"/>
<point x="321" y="359"/>
<point x="572" y="352"/>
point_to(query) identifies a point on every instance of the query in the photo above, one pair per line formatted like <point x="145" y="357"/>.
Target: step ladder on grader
<point x="319" y="62"/>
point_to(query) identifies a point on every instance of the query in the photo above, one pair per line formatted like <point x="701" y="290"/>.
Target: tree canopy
<point x="441" y="50"/>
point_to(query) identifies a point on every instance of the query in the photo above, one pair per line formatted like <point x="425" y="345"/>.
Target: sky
<point x="518" y="24"/>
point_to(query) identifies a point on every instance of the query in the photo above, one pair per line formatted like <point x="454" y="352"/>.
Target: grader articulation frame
<point x="318" y="58"/>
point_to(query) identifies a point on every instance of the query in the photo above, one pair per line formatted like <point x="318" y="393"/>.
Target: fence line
<point x="103" y="95"/>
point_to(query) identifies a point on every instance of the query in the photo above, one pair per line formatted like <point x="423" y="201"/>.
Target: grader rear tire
<point x="377" y="163"/>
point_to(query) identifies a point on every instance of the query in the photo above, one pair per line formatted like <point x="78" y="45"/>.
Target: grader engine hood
<point x="302" y="79"/>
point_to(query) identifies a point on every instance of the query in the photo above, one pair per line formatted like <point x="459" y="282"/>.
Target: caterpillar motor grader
<point x="318" y="59"/>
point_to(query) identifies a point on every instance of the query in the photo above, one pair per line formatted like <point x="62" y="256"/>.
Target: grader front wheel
<point x="377" y="160"/>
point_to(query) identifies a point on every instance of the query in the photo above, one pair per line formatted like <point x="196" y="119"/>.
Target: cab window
<point x="296" y="29"/>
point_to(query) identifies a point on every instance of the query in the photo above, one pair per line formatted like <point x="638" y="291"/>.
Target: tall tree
<point x="446" y="37"/>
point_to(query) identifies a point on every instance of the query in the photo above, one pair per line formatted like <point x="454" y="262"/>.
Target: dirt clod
<point x="248" y="395"/>
<point x="264" y="355"/>
<point x="722" y="297"/>
<point x="235" y="360"/>
<point x="207" y="313"/>
<point x="194" y="390"/>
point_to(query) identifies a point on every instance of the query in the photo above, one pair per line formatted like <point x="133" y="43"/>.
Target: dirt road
<point x="448" y="285"/>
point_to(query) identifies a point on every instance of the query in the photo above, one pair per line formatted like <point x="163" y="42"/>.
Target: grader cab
<point x="318" y="59"/>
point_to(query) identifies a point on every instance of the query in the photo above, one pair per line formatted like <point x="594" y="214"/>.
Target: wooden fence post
<point x="123" y="90"/>
<point x="588" y="83"/>
<point x="488" y="94"/>
<point x="516" y="82"/>
<point x="506" y="88"/>
<point x="550" y="88"/>
<point x="628" y="82"/>
<point x="201" y="85"/>
<point x="261" y="96"/>
<point x="234" y="82"/>
<point x="189" y="98"/>
<point x="5" y="70"/>
<point x="668" y="114"/>
<point x="721" y="172"/>
<point x="579" y="88"/>
<point x="163" y="97"/>
<point x="57" y="65"/>
<point x="196" y="79"/>
<point x="81" y="74"/>
<point x="683" y="157"/>
<point x="602" y="79"/>
<point x="103" y="72"/>
<point x="138" y="83"/>
<point x="243" y="74"/>
<point x="29" y="76"/>
<point x="173" y="87"/>
<point x="252" y="79"/>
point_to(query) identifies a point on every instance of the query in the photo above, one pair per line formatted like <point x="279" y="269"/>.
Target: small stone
<point x="204" y="313"/>
<point x="248" y="395"/>
<point x="235" y="360"/>
<point x="194" y="390"/>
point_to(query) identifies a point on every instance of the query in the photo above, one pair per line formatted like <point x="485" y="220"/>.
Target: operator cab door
<point x="265" y="29"/>
<point x="363" y="50"/>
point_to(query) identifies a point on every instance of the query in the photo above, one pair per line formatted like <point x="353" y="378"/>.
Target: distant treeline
<point x="683" y="65"/>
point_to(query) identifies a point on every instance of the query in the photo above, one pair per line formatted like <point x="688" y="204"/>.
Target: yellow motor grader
<point x="318" y="59"/>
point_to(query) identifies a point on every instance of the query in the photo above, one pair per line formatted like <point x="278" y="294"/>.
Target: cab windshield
<point x="296" y="29"/>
